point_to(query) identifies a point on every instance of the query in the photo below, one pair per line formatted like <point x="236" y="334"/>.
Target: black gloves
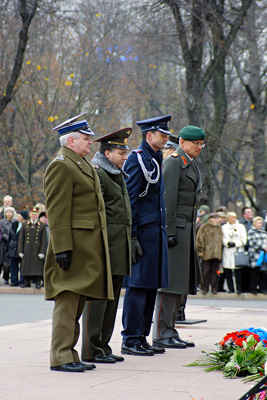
<point x="136" y="249"/>
<point x="231" y="244"/>
<point x="64" y="259"/>
<point x="172" y="241"/>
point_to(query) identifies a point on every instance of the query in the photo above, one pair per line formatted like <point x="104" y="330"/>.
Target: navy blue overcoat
<point x="148" y="220"/>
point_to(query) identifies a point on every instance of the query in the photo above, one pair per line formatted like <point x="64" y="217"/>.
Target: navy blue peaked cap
<point x="158" y="124"/>
<point x="75" y="124"/>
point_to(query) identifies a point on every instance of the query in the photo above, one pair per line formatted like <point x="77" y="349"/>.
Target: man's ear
<point x="70" y="141"/>
<point x="107" y="153"/>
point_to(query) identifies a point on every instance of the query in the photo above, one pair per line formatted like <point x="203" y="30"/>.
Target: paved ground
<point x="25" y="374"/>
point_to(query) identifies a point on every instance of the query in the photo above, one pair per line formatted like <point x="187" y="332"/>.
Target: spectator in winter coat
<point x="14" y="258"/>
<point x="257" y="242"/>
<point x="209" y="247"/>
<point x="6" y="224"/>
<point x="234" y="238"/>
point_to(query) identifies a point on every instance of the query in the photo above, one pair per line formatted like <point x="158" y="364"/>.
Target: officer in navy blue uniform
<point x="149" y="240"/>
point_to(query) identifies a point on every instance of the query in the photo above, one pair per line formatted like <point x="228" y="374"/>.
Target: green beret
<point x="191" y="132"/>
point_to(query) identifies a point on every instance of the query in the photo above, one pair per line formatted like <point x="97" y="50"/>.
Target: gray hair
<point x="64" y="138"/>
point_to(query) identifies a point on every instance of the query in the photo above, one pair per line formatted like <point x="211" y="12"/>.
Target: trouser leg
<point x="133" y="315"/>
<point x="238" y="279"/>
<point x="206" y="274"/>
<point x="214" y="274"/>
<point x="65" y="327"/>
<point x="110" y="314"/>
<point x="253" y="279"/>
<point x="14" y="270"/>
<point x="229" y="277"/>
<point x="165" y="315"/>
<point x="92" y="323"/>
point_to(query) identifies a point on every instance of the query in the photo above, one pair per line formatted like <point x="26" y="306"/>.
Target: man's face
<point x="156" y="140"/>
<point x="33" y="216"/>
<point x="7" y="202"/>
<point x="116" y="156"/>
<point x="191" y="147"/>
<point x="81" y="145"/>
<point x="167" y="152"/>
<point x="248" y="214"/>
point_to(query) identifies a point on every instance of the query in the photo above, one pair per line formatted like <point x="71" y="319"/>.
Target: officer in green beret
<point x="77" y="264"/>
<point x="182" y="184"/>
<point x="99" y="316"/>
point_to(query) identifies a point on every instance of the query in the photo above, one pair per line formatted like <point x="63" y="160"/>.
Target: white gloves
<point x="21" y="255"/>
<point x="41" y="256"/>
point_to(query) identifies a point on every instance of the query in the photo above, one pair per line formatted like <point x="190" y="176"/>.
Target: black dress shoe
<point x="171" y="343"/>
<point x="104" y="360"/>
<point x="69" y="367"/>
<point x="156" y="349"/>
<point x="136" y="350"/>
<point x="87" y="366"/>
<point x="38" y="285"/>
<point x="116" y="358"/>
<point x="188" y="343"/>
<point x="24" y="285"/>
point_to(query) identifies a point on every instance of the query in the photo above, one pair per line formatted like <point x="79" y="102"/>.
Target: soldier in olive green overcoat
<point x="77" y="265"/>
<point x="99" y="316"/>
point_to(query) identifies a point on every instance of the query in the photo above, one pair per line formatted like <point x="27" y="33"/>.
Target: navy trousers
<point x="137" y="314"/>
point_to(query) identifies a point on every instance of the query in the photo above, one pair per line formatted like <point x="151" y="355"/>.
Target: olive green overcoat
<point x="118" y="214"/>
<point x="182" y="184"/>
<point x="77" y="222"/>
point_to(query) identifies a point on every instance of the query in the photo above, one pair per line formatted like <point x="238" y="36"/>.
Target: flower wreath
<point x="241" y="353"/>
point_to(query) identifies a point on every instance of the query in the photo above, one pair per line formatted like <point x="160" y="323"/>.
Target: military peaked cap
<point x="117" y="139"/>
<point x="173" y="142"/>
<point x="75" y="124"/>
<point x="158" y="124"/>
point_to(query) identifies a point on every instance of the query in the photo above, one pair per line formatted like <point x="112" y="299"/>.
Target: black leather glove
<point x="136" y="249"/>
<point x="231" y="244"/>
<point x="64" y="259"/>
<point x="172" y="241"/>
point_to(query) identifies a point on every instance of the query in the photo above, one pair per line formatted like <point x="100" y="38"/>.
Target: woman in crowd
<point x="234" y="239"/>
<point x="6" y="224"/>
<point x="257" y="242"/>
<point x="14" y="258"/>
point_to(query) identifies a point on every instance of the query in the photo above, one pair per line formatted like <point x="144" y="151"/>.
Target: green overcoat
<point x="182" y="184"/>
<point x="118" y="214"/>
<point x="77" y="222"/>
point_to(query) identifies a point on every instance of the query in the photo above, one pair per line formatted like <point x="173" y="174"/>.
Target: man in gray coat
<point x="182" y="184"/>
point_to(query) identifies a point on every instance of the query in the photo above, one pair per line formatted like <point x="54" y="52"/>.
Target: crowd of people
<point x="23" y="244"/>
<point x="127" y="220"/>
<point x="230" y="249"/>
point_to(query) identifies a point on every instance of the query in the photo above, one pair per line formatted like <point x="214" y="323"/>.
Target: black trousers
<point x="210" y="274"/>
<point x="238" y="279"/>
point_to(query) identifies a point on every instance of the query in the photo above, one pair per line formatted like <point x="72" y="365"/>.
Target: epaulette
<point x="137" y="151"/>
<point x="61" y="157"/>
<point x="96" y="166"/>
<point x="175" y="154"/>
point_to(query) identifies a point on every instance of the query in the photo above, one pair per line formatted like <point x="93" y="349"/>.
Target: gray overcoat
<point x="182" y="184"/>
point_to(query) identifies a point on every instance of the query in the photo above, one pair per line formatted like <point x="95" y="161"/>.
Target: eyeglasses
<point x="198" y="144"/>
